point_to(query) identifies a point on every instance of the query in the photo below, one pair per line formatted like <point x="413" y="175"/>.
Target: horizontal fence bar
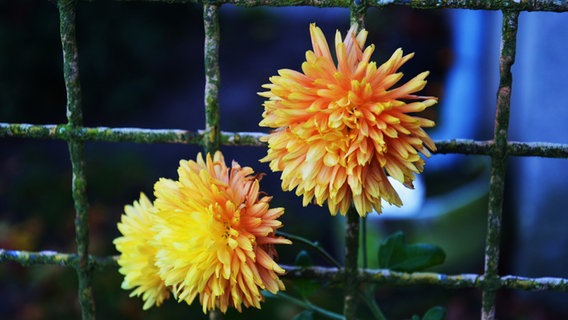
<point x="388" y="277"/>
<point x="65" y="132"/>
<point x="138" y="135"/>
<point x="378" y="276"/>
<point x="519" y="5"/>
<point x="135" y="135"/>
<point x="28" y="258"/>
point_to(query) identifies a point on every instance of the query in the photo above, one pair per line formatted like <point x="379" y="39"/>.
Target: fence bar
<point x="328" y="274"/>
<point x="517" y="5"/>
<point x="212" y="77"/>
<point x="525" y="5"/>
<point x="499" y="162"/>
<point x="357" y="10"/>
<point x="212" y="134"/>
<point x="28" y="258"/>
<point x="352" y="224"/>
<point x="351" y="276"/>
<point x="67" y="12"/>
<point x="79" y="190"/>
<point x="250" y="139"/>
<point x="514" y="148"/>
<point x="394" y="278"/>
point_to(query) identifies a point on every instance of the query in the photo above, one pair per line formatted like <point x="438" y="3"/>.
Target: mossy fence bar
<point x="251" y="139"/>
<point x="211" y="138"/>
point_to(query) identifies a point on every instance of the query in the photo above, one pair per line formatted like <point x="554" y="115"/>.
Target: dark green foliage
<point x="396" y="254"/>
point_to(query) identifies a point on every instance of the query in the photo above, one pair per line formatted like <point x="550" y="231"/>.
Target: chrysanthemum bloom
<point x="341" y="129"/>
<point x="215" y="235"/>
<point x="137" y="254"/>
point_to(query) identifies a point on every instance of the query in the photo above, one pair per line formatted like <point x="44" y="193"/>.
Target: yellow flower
<point x="215" y="234"/>
<point x="341" y="128"/>
<point x="138" y="254"/>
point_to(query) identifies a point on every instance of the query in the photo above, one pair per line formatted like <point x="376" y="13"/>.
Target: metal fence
<point x="499" y="149"/>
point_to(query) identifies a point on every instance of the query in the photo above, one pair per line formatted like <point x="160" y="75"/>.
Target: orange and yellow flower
<point x="137" y="253"/>
<point x="215" y="235"/>
<point x="340" y="129"/>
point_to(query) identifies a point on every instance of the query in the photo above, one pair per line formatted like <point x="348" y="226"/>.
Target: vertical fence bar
<point x="212" y="77"/>
<point x="351" y="264"/>
<point x="499" y="163"/>
<point x="212" y="137"/>
<point x="67" y="12"/>
<point x="352" y="226"/>
<point x="357" y="11"/>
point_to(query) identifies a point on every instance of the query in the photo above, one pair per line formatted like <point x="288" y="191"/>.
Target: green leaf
<point x="435" y="313"/>
<point x="415" y="317"/>
<point x="396" y="255"/>
<point x="304" y="315"/>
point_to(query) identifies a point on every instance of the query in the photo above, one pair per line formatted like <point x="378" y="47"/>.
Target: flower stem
<point x="312" y="244"/>
<point x="351" y="267"/>
<point x="304" y="304"/>
<point x="363" y="224"/>
<point x="370" y="301"/>
<point x="366" y="296"/>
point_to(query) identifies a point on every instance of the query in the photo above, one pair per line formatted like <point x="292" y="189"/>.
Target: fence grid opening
<point x="499" y="149"/>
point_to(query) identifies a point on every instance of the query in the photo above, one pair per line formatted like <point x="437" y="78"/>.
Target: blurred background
<point x="141" y="65"/>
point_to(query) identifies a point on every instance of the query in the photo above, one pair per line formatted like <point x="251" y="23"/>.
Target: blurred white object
<point x="412" y="201"/>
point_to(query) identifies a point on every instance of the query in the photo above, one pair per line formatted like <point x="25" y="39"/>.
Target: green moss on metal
<point x="67" y="26"/>
<point x="538" y="149"/>
<point x="351" y="267"/>
<point x="139" y="135"/>
<point x="394" y="278"/>
<point x="287" y="3"/>
<point x="539" y="5"/>
<point x="535" y="284"/>
<point x="499" y="163"/>
<point x="242" y="139"/>
<point x="464" y="146"/>
<point x="79" y="191"/>
<point x="28" y="258"/>
<point x="352" y="226"/>
<point x="67" y="17"/>
<point x="357" y="10"/>
<point x="212" y="137"/>
<point x="546" y="5"/>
